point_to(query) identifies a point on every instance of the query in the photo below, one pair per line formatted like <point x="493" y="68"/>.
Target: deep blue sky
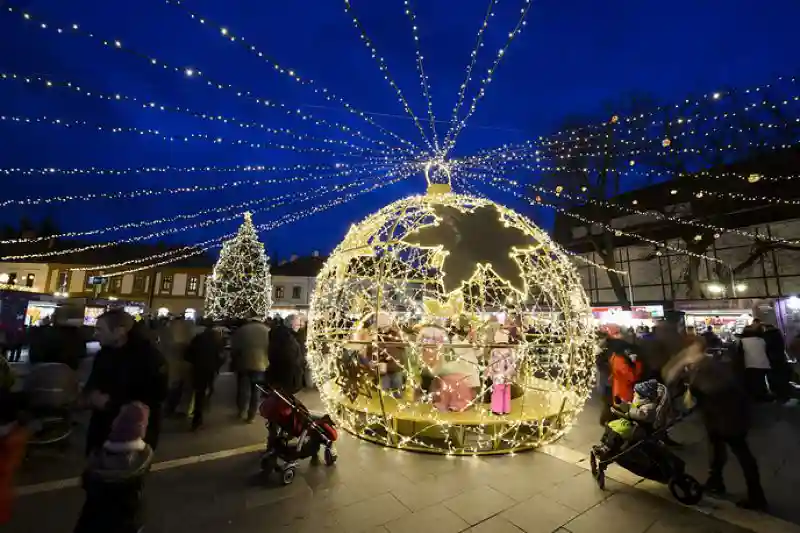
<point x="573" y="56"/>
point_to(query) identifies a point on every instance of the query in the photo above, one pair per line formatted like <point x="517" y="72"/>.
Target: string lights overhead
<point x="386" y="74"/>
<point x="423" y="78"/>
<point x="197" y="74"/>
<point x="328" y="95"/>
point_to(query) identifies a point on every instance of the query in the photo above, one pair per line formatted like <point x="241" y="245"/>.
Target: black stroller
<point x="651" y="459"/>
<point x="293" y="434"/>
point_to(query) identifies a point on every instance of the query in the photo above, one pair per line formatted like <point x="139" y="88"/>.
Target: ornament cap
<point x="248" y="216"/>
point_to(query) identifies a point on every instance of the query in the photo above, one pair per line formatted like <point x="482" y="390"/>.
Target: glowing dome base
<point x="450" y="324"/>
<point x="407" y="424"/>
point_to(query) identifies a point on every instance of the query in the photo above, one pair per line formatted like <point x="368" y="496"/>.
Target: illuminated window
<point x="193" y="284"/>
<point x="279" y="292"/>
<point x="166" y="283"/>
<point x="29" y="279"/>
<point x="115" y="285"/>
<point x="63" y="280"/>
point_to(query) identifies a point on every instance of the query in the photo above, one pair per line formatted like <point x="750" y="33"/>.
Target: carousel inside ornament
<point x="451" y="324"/>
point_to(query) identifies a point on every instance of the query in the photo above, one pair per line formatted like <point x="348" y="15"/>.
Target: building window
<point x="279" y="292"/>
<point x="115" y="285"/>
<point x="63" y="280"/>
<point x="193" y="284"/>
<point x="29" y="279"/>
<point x="89" y="277"/>
<point x="138" y="283"/>
<point x="296" y="292"/>
<point x="12" y="278"/>
<point x="166" y="283"/>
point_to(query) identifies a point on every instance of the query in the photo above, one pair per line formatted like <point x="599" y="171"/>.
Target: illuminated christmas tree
<point x="241" y="286"/>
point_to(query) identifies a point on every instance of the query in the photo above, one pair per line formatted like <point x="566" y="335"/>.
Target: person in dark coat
<point x="204" y="354"/>
<point x="780" y="373"/>
<point x="128" y="368"/>
<point x="287" y="363"/>
<point x="114" y="477"/>
<point x="725" y="409"/>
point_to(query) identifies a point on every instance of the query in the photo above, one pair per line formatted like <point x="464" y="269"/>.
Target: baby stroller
<point x="293" y="434"/>
<point x="51" y="391"/>
<point x="650" y="458"/>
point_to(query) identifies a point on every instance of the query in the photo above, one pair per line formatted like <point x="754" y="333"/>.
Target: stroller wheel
<point x="686" y="489"/>
<point x="288" y="476"/>
<point x="330" y="457"/>
<point x="598" y="472"/>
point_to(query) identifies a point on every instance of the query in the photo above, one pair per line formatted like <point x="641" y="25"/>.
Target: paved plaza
<point x="210" y="481"/>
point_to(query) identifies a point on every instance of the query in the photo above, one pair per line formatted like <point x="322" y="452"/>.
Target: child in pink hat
<point x="114" y="477"/>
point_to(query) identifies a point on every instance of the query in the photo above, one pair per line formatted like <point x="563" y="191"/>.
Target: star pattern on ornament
<point x="469" y="240"/>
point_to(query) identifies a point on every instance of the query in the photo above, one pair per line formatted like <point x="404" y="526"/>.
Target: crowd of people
<point x="722" y="384"/>
<point x="143" y="371"/>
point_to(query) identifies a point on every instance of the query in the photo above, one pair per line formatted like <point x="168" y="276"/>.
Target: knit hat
<point x="647" y="389"/>
<point x="130" y="424"/>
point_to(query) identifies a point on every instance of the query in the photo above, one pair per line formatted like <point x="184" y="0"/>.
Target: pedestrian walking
<point x="725" y="409"/>
<point x="174" y="338"/>
<point x="250" y="346"/>
<point x="114" y="477"/>
<point x="753" y="357"/>
<point x="204" y="354"/>
<point x="128" y="368"/>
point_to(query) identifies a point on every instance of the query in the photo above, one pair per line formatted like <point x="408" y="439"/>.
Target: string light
<point x="167" y="219"/>
<point x="155" y="62"/>
<point x="172" y="256"/>
<point x="618" y="232"/>
<point x="240" y="287"/>
<point x="456" y="129"/>
<point x="171" y="138"/>
<point x="423" y="79"/>
<point x="327" y="94"/>
<point x="662" y="216"/>
<point x="385" y="71"/>
<point x="474" y="192"/>
<point x="462" y="90"/>
<point x="139" y="193"/>
<point x="100" y="171"/>
<point x="120" y="97"/>
<point x="296" y="197"/>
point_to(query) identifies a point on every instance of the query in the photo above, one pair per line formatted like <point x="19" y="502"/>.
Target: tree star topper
<point x="469" y="240"/>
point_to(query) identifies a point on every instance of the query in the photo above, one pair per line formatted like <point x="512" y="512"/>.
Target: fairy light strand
<point x="459" y="127"/>
<point x="325" y="93"/>
<point x="195" y="73"/>
<point x="383" y="67"/>
<point x="423" y="78"/>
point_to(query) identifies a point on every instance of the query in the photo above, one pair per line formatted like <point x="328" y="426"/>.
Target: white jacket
<point x="755" y="353"/>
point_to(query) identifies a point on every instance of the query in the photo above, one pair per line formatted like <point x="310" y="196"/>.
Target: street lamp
<point x="740" y="287"/>
<point x="715" y="288"/>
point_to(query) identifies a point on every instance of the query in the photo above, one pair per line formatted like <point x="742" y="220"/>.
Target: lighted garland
<point x="240" y="287"/>
<point x="386" y="292"/>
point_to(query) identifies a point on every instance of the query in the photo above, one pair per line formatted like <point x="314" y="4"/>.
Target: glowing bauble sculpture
<point x="451" y="324"/>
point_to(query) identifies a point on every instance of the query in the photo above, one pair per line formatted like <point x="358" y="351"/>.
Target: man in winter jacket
<point x="287" y="362"/>
<point x="128" y="368"/>
<point x="250" y="346"/>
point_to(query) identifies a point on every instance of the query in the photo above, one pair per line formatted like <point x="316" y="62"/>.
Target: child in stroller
<point x="293" y="434"/>
<point x="635" y="441"/>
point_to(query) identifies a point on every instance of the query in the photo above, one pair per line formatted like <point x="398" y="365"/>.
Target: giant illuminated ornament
<point x="450" y="324"/>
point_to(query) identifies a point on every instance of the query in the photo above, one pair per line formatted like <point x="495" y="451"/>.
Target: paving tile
<point x="479" y="504"/>
<point x="539" y="515"/>
<point x="620" y="512"/>
<point x="429" y="491"/>
<point x="439" y="517"/>
<point x="496" y="524"/>
<point x="369" y="513"/>
<point x="581" y="492"/>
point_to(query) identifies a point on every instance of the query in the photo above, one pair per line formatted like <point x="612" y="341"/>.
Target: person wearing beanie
<point x="114" y="477"/>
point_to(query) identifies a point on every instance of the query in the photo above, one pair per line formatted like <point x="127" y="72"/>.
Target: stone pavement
<point x="376" y="490"/>
<point x="382" y="489"/>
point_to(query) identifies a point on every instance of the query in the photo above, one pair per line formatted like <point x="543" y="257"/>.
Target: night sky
<point x="571" y="59"/>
